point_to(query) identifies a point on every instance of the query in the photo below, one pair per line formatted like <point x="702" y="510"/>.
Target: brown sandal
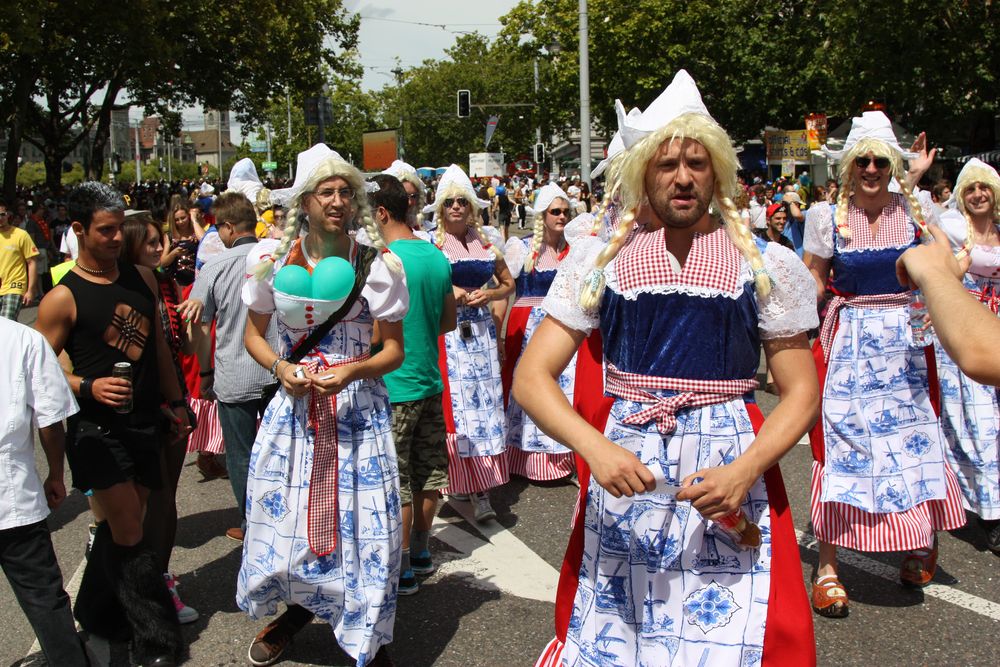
<point x="918" y="567"/>
<point x="829" y="597"/>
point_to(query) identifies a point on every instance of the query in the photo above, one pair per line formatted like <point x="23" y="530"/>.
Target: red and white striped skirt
<point x="474" y="474"/>
<point x="208" y="436"/>
<point x="539" y="466"/>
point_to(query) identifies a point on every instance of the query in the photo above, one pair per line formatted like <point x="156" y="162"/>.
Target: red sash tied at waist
<point x="322" y="519"/>
<point x="692" y="394"/>
<point x="829" y="328"/>
<point x="988" y="296"/>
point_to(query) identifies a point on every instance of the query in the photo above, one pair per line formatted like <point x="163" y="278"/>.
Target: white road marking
<point x="500" y="561"/>
<point x="973" y="603"/>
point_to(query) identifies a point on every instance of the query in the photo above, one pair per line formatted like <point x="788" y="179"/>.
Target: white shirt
<point x="36" y="394"/>
<point x="758" y="215"/>
<point x="70" y="245"/>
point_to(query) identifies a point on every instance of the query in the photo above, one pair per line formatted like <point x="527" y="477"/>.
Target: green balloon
<point x="294" y="280"/>
<point x="333" y="279"/>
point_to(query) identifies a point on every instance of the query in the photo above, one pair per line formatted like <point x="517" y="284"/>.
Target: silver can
<point x="123" y="369"/>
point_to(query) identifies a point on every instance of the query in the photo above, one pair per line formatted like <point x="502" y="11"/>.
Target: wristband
<point x="179" y="403"/>
<point x="274" y="367"/>
<point x="87" y="388"/>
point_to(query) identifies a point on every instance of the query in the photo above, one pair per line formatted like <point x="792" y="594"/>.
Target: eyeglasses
<point x="343" y="194"/>
<point x="863" y="162"/>
<point x="559" y="211"/>
<point x="461" y="201"/>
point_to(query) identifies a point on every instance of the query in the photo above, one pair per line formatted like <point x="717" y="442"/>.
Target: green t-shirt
<point x="428" y="277"/>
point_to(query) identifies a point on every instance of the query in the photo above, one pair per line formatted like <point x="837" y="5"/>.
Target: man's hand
<point x="930" y="261"/>
<point x="295" y="386"/>
<point x="477" y="297"/>
<point x="461" y="296"/>
<point x="27" y="299"/>
<point x="111" y="391"/>
<point x="332" y="380"/>
<point x="55" y="491"/>
<point x="191" y="310"/>
<point x="620" y="471"/>
<point x="919" y="165"/>
<point x="721" y="490"/>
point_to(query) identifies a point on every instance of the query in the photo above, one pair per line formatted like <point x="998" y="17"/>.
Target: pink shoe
<point x="185" y="614"/>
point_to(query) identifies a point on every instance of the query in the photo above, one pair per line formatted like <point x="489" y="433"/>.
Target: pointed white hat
<point x="615" y="148"/>
<point x="243" y="179"/>
<point x="869" y="125"/>
<point x="680" y="97"/>
<point x="305" y="165"/>
<point x="455" y="178"/>
<point x="545" y="197"/>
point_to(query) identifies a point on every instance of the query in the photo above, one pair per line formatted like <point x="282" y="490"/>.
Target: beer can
<point x="123" y="369"/>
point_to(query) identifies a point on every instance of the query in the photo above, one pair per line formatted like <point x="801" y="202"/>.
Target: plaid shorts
<point x="10" y="306"/>
<point x="419" y="435"/>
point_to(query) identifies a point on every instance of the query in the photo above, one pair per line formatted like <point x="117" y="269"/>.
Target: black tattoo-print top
<point x="115" y="323"/>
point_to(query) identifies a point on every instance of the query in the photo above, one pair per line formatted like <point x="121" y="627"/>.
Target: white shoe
<point x="185" y="614"/>
<point x="482" y="509"/>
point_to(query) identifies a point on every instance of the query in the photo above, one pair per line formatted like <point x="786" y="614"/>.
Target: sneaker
<point x="210" y="466"/>
<point x="235" y="534"/>
<point x="990" y="527"/>
<point x="408" y="584"/>
<point x="422" y="563"/>
<point x="91" y="533"/>
<point x="268" y="646"/>
<point x="482" y="509"/>
<point x="461" y="497"/>
<point x="185" y="614"/>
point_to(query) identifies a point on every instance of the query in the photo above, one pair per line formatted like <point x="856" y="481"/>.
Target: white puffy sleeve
<point x="493" y="235"/>
<point x="210" y="246"/>
<point x="258" y="295"/>
<point x="578" y="227"/>
<point x="956" y="227"/>
<point x="790" y="308"/>
<point x="818" y="237"/>
<point x="563" y="299"/>
<point x="514" y="254"/>
<point x="386" y="293"/>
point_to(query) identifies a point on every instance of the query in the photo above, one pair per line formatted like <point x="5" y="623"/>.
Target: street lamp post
<point x="584" y="96"/>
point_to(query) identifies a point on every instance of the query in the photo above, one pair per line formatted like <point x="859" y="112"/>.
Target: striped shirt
<point x="238" y="378"/>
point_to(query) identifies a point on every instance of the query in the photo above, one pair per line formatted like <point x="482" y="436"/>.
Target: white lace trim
<point x="514" y="253"/>
<point x="579" y="227"/>
<point x="790" y="308"/>
<point x="563" y="299"/>
<point x="818" y="237"/>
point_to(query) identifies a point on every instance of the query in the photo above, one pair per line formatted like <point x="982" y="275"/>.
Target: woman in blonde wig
<point x="880" y="480"/>
<point x="970" y="416"/>
<point x="323" y="512"/>
<point x="683" y="303"/>
<point x="473" y="396"/>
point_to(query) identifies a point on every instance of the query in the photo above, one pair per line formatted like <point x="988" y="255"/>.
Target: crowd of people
<point x="347" y="350"/>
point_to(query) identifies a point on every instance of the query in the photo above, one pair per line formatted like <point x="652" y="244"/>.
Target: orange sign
<point x="380" y="147"/>
<point x="816" y="130"/>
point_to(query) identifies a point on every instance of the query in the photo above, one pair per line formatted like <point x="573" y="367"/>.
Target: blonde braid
<point x="593" y="288"/>
<point x="477" y="224"/>
<point x="739" y="234"/>
<point x="264" y="268"/>
<point x="439" y="233"/>
<point x="916" y="210"/>
<point x="969" y="233"/>
<point x="390" y="258"/>
<point x="536" y="242"/>
<point x="840" y="213"/>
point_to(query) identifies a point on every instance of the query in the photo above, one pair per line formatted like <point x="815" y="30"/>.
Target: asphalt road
<point x="490" y="603"/>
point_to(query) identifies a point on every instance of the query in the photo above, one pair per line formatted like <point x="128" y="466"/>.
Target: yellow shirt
<point x="16" y="247"/>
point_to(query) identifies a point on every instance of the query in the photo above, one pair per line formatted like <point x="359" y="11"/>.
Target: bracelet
<point x="179" y="403"/>
<point x="274" y="367"/>
<point x="87" y="388"/>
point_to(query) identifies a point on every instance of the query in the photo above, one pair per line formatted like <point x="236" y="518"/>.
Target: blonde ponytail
<point x="593" y="288"/>
<point x="536" y="242"/>
<point x="840" y="212"/>
<point x="742" y="238"/>
<point x="374" y="232"/>
<point x="477" y="224"/>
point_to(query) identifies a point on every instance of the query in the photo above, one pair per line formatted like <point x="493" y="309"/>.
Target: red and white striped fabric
<point x="454" y="248"/>
<point x="322" y="518"/>
<point x="208" y="436"/>
<point x="529" y="302"/>
<point x="895" y="227"/>
<point x="549" y="258"/>
<point x="552" y="655"/>
<point x="473" y="474"/>
<point x="853" y="528"/>
<point x="539" y="466"/>
<point x="830" y="323"/>
<point x="988" y="296"/>
<point x="693" y="394"/>
<point x="712" y="263"/>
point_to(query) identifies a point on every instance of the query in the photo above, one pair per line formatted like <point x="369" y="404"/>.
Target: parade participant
<point x="777" y="218"/>
<point x="533" y="262"/>
<point x="970" y="415"/>
<point x="416" y="388"/>
<point x="181" y="245"/>
<point x="142" y="245"/>
<point x="880" y="481"/>
<point x="683" y="303"/>
<point x="473" y="397"/>
<point x="323" y="523"/>
<point x="104" y="314"/>
<point x="415" y="193"/>
<point x="18" y="267"/>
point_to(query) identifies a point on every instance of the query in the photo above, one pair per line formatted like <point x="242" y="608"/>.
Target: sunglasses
<point x="864" y="161"/>
<point x="461" y="201"/>
<point x="559" y="211"/>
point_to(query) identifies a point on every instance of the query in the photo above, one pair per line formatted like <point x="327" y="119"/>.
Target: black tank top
<point x="116" y="323"/>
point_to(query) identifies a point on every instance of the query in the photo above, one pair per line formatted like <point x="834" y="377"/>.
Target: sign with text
<point x="269" y="166"/>
<point x="485" y="164"/>
<point x="787" y="145"/>
<point x="816" y="130"/>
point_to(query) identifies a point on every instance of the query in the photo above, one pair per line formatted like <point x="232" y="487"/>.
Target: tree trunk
<point x="53" y="170"/>
<point x="15" y="135"/>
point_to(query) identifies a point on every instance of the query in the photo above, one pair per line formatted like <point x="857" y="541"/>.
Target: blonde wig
<point x="537" y="237"/>
<point x="626" y="183"/>
<point x="969" y="176"/>
<point x="878" y="148"/>
<point x="475" y="221"/>
<point x="331" y="168"/>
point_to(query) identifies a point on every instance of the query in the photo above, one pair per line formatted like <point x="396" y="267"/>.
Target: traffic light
<point x="464" y="103"/>
<point x="539" y="153"/>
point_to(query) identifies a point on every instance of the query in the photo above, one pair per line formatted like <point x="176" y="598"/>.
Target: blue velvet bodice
<point x="472" y="273"/>
<point x="866" y="271"/>
<point x="681" y="335"/>
<point x="536" y="283"/>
